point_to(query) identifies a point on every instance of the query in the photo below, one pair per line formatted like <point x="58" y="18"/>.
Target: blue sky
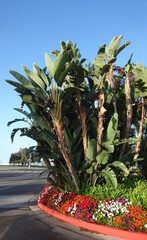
<point x="28" y="29"/>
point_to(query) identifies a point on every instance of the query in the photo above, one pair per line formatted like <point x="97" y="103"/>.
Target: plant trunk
<point x="100" y="121"/>
<point x="48" y="165"/>
<point x="64" y="150"/>
<point x="111" y="83"/>
<point x="137" y="149"/>
<point x="83" y="121"/>
<point x="129" y="114"/>
<point x="99" y="132"/>
<point x="47" y="162"/>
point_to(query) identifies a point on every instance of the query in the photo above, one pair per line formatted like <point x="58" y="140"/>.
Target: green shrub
<point x="135" y="191"/>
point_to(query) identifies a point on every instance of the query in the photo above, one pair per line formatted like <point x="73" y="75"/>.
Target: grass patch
<point x="23" y="167"/>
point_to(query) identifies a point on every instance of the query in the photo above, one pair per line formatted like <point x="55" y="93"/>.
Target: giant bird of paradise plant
<point x="76" y="109"/>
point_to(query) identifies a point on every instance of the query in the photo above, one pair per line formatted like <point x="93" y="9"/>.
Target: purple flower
<point x="124" y="222"/>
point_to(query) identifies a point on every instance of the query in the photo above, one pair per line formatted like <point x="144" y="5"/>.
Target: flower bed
<point x="120" y="213"/>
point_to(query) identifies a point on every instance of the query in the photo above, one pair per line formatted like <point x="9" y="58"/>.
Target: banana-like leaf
<point x="15" y="130"/>
<point x="68" y="137"/>
<point x="140" y="73"/>
<point x="109" y="49"/>
<point x="64" y="73"/>
<point x="59" y="65"/>
<point x="77" y="158"/>
<point x="34" y="77"/>
<point x="20" y="78"/>
<point x="77" y="139"/>
<point x="103" y="157"/>
<point x="99" y="60"/>
<point x="138" y="159"/>
<point x="53" y="136"/>
<point x="129" y="140"/>
<point x="55" y="53"/>
<point x="28" y="115"/>
<point x="121" y="166"/>
<point x="110" y="176"/>
<point x="109" y="146"/>
<point x="111" y="129"/>
<point x="17" y="120"/>
<point x="121" y="48"/>
<point x="114" y="45"/>
<point x="30" y="99"/>
<point x="113" y="60"/>
<point x="13" y="83"/>
<point x="41" y="74"/>
<point x="49" y="65"/>
<point x="91" y="150"/>
<point x="89" y="170"/>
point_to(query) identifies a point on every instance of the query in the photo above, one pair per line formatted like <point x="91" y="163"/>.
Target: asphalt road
<point x="19" y="221"/>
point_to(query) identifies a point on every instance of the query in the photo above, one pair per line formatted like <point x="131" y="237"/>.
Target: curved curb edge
<point x="111" y="231"/>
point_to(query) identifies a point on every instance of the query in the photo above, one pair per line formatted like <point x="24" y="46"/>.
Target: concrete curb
<point x="111" y="231"/>
<point x="54" y="221"/>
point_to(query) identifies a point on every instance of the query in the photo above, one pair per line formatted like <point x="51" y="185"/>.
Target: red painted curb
<point x="111" y="231"/>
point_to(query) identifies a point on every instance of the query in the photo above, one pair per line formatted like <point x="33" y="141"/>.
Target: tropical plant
<point x="81" y="115"/>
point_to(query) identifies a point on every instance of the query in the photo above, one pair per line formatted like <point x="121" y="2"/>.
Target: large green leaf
<point x="28" y="115"/>
<point x="49" y="65"/>
<point x="110" y="48"/>
<point x="103" y="157"/>
<point x="59" y="65"/>
<point x="20" y="78"/>
<point x="53" y="136"/>
<point x="111" y="129"/>
<point x="129" y="140"/>
<point x="68" y="137"/>
<point x="109" y="146"/>
<point x="121" y="48"/>
<point x="15" y="130"/>
<point x="15" y="84"/>
<point x="64" y="73"/>
<point x="77" y="158"/>
<point x="89" y="170"/>
<point x="121" y="166"/>
<point x="91" y="150"/>
<point x="34" y="77"/>
<point x="110" y="176"/>
<point x="41" y="74"/>
<point x="77" y="138"/>
<point x="114" y="45"/>
<point x="28" y="98"/>
<point x="99" y="60"/>
<point x="17" y="120"/>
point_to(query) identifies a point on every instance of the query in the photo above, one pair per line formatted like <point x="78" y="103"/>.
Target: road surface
<point x="17" y="221"/>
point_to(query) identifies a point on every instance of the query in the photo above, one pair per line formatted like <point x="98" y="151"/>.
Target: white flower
<point x="145" y="225"/>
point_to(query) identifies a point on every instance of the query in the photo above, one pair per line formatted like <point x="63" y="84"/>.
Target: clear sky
<point x="30" y="28"/>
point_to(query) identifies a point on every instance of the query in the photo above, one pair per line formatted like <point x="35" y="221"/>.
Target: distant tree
<point x="22" y="157"/>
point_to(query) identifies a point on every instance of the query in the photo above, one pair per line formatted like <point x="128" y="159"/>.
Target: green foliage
<point x="132" y="189"/>
<point x="65" y="113"/>
<point x="22" y="156"/>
